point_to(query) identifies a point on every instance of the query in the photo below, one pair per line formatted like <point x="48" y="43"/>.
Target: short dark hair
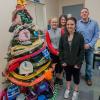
<point x="85" y="8"/>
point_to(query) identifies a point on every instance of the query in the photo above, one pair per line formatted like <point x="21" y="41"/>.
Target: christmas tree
<point x="28" y="69"/>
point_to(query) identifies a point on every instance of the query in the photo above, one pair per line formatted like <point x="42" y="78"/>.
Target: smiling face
<point x="70" y="25"/>
<point x="63" y="21"/>
<point x="84" y="14"/>
<point x="54" y="23"/>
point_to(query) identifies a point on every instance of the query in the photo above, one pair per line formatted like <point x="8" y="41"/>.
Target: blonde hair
<point x="54" y="19"/>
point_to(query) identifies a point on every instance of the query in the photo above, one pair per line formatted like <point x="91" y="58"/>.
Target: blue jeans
<point x="89" y="64"/>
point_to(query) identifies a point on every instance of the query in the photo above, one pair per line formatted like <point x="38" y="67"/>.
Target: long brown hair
<point x="61" y="18"/>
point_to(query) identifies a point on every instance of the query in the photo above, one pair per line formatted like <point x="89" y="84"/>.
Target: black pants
<point x="71" y="71"/>
<point x="58" y="67"/>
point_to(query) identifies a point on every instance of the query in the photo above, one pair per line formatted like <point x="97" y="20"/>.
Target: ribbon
<point x="32" y="75"/>
<point x="17" y="50"/>
<point x="13" y="64"/>
<point x="26" y="84"/>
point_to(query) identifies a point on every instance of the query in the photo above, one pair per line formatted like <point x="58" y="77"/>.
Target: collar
<point x="54" y="29"/>
<point x="89" y="20"/>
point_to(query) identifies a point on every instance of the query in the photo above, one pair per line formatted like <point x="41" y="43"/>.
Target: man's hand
<point x="86" y="46"/>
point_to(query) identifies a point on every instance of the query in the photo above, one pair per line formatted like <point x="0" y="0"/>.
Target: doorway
<point x="73" y="10"/>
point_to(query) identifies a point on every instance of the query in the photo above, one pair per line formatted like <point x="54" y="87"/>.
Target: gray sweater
<point x="55" y="37"/>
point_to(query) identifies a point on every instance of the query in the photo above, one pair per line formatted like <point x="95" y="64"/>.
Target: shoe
<point x="89" y="82"/>
<point x="66" y="94"/>
<point x="75" y="95"/>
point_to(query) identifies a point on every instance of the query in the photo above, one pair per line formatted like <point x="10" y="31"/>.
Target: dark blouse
<point x="75" y="55"/>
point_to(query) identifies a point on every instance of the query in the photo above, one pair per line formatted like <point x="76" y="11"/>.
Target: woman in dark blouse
<point x="71" y="53"/>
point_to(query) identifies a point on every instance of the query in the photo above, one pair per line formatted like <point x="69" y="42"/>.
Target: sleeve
<point x="61" y="52"/>
<point x="95" y="36"/>
<point x="49" y="44"/>
<point x="81" y="51"/>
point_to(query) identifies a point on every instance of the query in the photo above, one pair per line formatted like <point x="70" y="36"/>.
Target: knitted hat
<point x="25" y="16"/>
<point x="12" y="91"/>
<point x="26" y="67"/>
<point x="21" y="97"/>
<point x="21" y="2"/>
<point x="18" y="28"/>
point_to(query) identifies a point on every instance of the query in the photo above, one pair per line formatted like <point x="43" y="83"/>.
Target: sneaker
<point x="89" y="82"/>
<point x="75" y="95"/>
<point x="66" y="94"/>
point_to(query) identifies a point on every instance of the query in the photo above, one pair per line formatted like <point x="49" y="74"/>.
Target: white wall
<point x="52" y="8"/>
<point x="6" y="8"/>
<point x="93" y="7"/>
<point x="38" y="12"/>
<point x="67" y="3"/>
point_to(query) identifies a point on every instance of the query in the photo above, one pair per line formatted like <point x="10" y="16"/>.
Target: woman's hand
<point x="64" y="65"/>
<point x="76" y="66"/>
<point x="53" y="66"/>
<point x="57" y="53"/>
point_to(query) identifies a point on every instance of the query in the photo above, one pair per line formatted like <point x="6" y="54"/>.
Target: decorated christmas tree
<point x="28" y="69"/>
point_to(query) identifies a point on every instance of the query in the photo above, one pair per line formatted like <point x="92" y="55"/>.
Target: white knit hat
<point x="26" y="68"/>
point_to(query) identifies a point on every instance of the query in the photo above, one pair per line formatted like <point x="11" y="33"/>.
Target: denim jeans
<point x="89" y="63"/>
